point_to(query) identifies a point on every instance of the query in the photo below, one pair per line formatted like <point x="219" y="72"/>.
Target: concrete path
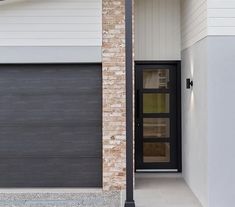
<point x="163" y="190"/>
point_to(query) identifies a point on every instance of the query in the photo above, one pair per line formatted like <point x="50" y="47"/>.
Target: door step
<point x="110" y="199"/>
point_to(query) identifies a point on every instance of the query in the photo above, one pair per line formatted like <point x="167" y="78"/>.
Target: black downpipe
<point x="129" y="106"/>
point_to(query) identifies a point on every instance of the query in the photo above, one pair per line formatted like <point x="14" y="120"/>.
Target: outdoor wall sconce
<point x="189" y="83"/>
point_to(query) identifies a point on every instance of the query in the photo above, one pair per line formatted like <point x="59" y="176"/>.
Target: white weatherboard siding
<point x="157" y="30"/>
<point x="51" y="23"/>
<point x="221" y="17"/>
<point x="193" y="21"/>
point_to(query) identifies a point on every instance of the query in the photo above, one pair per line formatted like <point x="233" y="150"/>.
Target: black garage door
<point x="50" y="126"/>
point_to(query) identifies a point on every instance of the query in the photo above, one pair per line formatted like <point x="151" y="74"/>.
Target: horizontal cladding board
<point x="195" y="38"/>
<point x="191" y="18"/>
<point x="192" y="11"/>
<point x="221" y="22"/>
<point x="221" y="17"/>
<point x="50" y="172"/>
<point x="221" y="31"/>
<point x="221" y="13"/>
<point x="197" y="24"/>
<point x="193" y="21"/>
<point x="22" y="23"/>
<point x="215" y="4"/>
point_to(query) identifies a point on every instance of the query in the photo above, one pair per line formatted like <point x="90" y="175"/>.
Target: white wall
<point x="195" y="120"/>
<point x="208" y="120"/>
<point x="51" y="23"/>
<point x="157" y="30"/>
<point x="221" y="121"/>
<point x="193" y="21"/>
<point x="221" y="27"/>
<point x="195" y="102"/>
<point x="221" y="17"/>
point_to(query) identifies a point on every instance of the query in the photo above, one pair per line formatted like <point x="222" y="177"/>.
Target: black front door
<point x="157" y="116"/>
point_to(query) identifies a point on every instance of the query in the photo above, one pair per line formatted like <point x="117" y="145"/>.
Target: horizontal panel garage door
<point x="50" y="126"/>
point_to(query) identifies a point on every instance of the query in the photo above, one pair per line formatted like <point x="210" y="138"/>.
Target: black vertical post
<point x="129" y="106"/>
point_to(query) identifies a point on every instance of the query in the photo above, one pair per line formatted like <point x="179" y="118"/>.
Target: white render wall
<point x="195" y="120"/>
<point x="157" y="30"/>
<point x="208" y="119"/>
<point x="221" y="119"/>
<point x="51" y="23"/>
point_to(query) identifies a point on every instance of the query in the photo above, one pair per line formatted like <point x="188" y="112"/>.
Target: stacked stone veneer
<point x="114" y="121"/>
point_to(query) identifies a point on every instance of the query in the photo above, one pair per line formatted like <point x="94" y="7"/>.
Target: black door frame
<point x="176" y="64"/>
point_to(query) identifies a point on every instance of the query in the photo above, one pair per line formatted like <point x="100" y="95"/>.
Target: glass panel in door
<point x="156" y="78"/>
<point x="156" y="103"/>
<point x="156" y="128"/>
<point x="156" y="152"/>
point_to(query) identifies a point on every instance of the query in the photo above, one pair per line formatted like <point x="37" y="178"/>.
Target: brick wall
<point x="114" y="123"/>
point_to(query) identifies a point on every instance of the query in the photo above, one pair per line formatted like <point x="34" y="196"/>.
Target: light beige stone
<point x="114" y="122"/>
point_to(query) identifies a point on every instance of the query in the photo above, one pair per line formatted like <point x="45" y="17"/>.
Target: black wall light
<point x="189" y="83"/>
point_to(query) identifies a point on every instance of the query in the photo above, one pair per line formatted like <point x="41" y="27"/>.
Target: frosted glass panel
<point x="156" y="79"/>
